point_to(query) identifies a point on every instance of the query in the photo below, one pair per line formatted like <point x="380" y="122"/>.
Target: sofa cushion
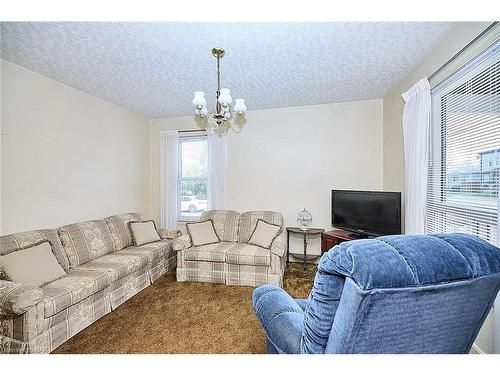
<point x="35" y="265"/>
<point x="16" y="241"/>
<point x="119" y="229"/>
<point x="248" y="221"/>
<point x="226" y="223"/>
<point x="264" y="234"/>
<point x="85" y="241"/>
<point x="153" y="250"/>
<point x="72" y="288"/>
<point x="209" y="253"/>
<point x="144" y="232"/>
<point x="247" y="254"/>
<point x="202" y="233"/>
<point x="117" y="265"/>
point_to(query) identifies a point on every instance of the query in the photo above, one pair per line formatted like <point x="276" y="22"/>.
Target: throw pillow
<point x="264" y="234"/>
<point x="144" y="232"/>
<point x="35" y="265"/>
<point x="202" y="233"/>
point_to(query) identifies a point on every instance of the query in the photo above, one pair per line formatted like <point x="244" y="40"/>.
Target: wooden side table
<point x="305" y="234"/>
<point x="334" y="237"/>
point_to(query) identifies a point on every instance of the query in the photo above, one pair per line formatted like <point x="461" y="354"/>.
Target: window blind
<point x="464" y="159"/>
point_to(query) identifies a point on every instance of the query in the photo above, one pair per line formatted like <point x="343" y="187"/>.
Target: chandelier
<point x="222" y="113"/>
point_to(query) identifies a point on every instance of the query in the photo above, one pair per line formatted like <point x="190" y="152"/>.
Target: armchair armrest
<point x="182" y="243"/>
<point x="280" y="316"/>
<point x="169" y="234"/>
<point x="278" y="247"/>
<point x="16" y="299"/>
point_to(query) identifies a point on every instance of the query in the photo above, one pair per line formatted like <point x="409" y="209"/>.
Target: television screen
<point x="367" y="213"/>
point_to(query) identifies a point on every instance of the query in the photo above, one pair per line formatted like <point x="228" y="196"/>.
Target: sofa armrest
<point x="278" y="247"/>
<point x="169" y="234"/>
<point x="280" y="316"/>
<point x="16" y="299"/>
<point x="182" y="243"/>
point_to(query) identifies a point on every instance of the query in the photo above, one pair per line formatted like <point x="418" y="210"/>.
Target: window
<point x="464" y="150"/>
<point x="192" y="181"/>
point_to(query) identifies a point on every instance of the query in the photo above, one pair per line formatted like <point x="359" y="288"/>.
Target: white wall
<point x="287" y="159"/>
<point x="67" y="156"/>
<point x="394" y="177"/>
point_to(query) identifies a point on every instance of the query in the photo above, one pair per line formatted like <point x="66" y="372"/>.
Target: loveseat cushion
<point x="117" y="265"/>
<point x="248" y="222"/>
<point x="226" y="223"/>
<point x="22" y="240"/>
<point x="85" y="241"/>
<point x="68" y="290"/>
<point x="209" y="253"/>
<point x="242" y="253"/>
<point x="119" y="229"/>
<point x="153" y="250"/>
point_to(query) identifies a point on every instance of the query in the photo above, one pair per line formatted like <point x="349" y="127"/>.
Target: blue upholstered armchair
<point x="393" y="294"/>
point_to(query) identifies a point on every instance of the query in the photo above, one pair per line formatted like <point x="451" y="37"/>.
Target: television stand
<point x="336" y="236"/>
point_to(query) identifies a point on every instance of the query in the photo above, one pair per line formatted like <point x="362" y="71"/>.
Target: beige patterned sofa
<point x="103" y="268"/>
<point x="233" y="261"/>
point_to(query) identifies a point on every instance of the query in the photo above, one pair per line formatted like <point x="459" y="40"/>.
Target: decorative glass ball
<point x="304" y="218"/>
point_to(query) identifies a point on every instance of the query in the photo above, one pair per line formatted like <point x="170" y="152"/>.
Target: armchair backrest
<point x="226" y="223"/>
<point x="402" y="294"/>
<point x="248" y="221"/>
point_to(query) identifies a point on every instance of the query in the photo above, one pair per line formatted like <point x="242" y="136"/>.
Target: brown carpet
<point x="187" y="317"/>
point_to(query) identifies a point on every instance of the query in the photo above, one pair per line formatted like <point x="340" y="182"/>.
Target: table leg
<point x="287" y="247"/>
<point x="305" y="251"/>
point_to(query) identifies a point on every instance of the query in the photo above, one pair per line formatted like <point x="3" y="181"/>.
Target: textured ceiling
<point x="153" y="68"/>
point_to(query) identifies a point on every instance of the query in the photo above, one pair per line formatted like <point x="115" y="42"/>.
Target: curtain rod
<point x="455" y="56"/>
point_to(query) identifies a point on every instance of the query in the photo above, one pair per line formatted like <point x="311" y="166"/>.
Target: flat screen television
<point x="367" y="213"/>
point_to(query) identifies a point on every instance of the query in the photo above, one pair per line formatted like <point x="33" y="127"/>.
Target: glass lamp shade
<point x="225" y="97"/>
<point x="227" y="115"/>
<point x="204" y="112"/>
<point x="304" y="218"/>
<point x="199" y="99"/>
<point x="239" y="106"/>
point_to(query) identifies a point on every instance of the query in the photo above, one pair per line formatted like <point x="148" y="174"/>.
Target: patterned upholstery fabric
<point x="252" y="255"/>
<point x="16" y="299"/>
<point x="226" y="223"/>
<point x="87" y="293"/>
<point x="118" y="265"/>
<point x="85" y="241"/>
<point x="128" y="286"/>
<point x="169" y="234"/>
<point x="248" y="221"/>
<point x="162" y="258"/>
<point x="13" y="242"/>
<point x="182" y="243"/>
<point x="209" y="253"/>
<point x="240" y="274"/>
<point x="193" y="270"/>
<point x="119" y="229"/>
<point x="73" y="288"/>
<point x="233" y="261"/>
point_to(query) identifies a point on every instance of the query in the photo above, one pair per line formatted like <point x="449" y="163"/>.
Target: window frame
<point x="477" y="219"/>
<point x="182" y="139"/>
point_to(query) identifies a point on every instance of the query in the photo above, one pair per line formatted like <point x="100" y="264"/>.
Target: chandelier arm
<point x="217" y="93"/>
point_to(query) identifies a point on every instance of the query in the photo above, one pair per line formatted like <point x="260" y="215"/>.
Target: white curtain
<point x="169" y="143"/>
<point x="217" y="170"/>
<point x="416" y="118"/>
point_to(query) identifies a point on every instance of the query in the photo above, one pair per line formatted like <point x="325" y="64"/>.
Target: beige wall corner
<point x="67" y="156"/>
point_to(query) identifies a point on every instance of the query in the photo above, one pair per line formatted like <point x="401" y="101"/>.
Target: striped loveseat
<point x="233" y="261"/>
<point x="103" y="269"/>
